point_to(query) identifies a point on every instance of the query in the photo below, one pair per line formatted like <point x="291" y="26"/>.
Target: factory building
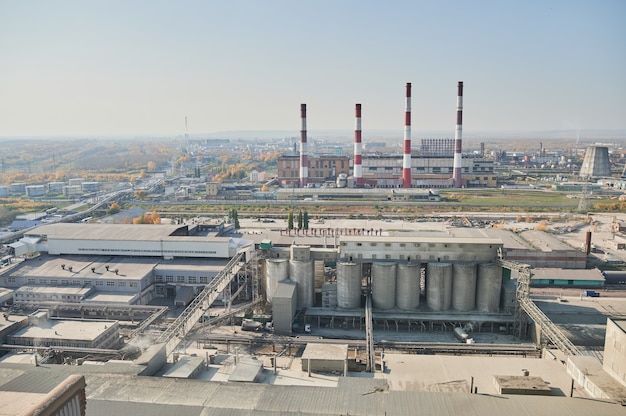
<point x="44" y="331"/>
<point x="35" y="190"/>
<point x="55" y="187"/>
<point x="441" y="163"/>
<point x="321" y="168"/>
<point x="410" y="279"/>
<point x="18" y="188"/>
<point x="165" y="241"/>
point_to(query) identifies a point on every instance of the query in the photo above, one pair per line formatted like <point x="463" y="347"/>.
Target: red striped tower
<point x="406" y="159"/>
<point x="304" y="163"/>
<point x="358" y="170"/>
<point x="458" y="139"/>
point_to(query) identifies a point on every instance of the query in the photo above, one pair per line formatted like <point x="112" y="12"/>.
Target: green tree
<point x="300" y="220"/>
<point x="290" y="220"/>
<point x="305" y="220"/>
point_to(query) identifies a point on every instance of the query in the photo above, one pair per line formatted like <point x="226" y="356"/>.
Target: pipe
<point x="406" y="156"/>
<point x="358" y="170"/>
<point x="304" y="164"/>
<point x="458" y="139"/>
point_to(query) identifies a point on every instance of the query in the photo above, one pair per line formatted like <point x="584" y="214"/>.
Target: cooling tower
<point x="596" y="163"/>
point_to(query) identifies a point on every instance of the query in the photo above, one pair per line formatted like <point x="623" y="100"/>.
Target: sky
<point x="123" y="67"/>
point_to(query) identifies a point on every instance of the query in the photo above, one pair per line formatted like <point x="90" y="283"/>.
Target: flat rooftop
<point x="58" y="267"/>
<point x="567" y="274"/>
<point x="62" y="329"/>
<point x="61" y="290"/>
<point x="545" y="242"/>
<point x="315" y="351"/>
<point x="117" y="232"/>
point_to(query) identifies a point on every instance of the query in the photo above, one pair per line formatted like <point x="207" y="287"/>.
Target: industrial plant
<point x="341" y="304"/>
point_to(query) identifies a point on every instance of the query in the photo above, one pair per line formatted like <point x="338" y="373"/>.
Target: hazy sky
<point x="138" y="67"/>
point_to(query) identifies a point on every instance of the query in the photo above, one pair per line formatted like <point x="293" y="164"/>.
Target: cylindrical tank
<point x="301" y="272"/>
<point x="488" y="287"/>
<point x="464" y="286"/>
<point x="383" y="285"/>
<point x="439" y="286"/>
<point x="408" y="286"/>
<point x="276" y="270"/>
<point x="348" y="285"/>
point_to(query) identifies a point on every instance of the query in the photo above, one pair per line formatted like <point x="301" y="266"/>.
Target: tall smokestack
<point x="358" y="170"/>
<point x="304" y="164"/>
<point x="406" y="160"/>
<point x="458" y="138"/>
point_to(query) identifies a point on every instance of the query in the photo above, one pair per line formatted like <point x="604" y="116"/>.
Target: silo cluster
<point x="299" y="271"/>
<point x="455" y="286"/>
<point x="462" y="287"/>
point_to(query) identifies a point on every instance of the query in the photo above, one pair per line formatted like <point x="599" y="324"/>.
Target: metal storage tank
<point x="276" y="270"/>
<point x="488" y="287"/>
<point x="348" y="285"/>
<point x="464" y="286"/>
<point x="301" y="272"/>
<point x="408" y="286"/>
<point x="439" y="286"/>
<point x="383" y="285"/>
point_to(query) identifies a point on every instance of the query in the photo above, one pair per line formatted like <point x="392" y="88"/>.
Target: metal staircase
<point x="525" y="308"/>
<point x="179" y="329"/>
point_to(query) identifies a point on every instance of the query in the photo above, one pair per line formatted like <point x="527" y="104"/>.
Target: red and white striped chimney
<point x="358" y="169"/>
<point x="406" y="159"/>
<point x="304" y="163"/>
<point x="458" y="139"/>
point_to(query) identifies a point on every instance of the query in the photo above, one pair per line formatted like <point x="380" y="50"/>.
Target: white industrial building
<point x="140" y="240"/>
<point x="35" y="190"/>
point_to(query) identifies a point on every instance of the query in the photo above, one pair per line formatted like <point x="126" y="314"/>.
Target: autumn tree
<point x="114" y="209"/>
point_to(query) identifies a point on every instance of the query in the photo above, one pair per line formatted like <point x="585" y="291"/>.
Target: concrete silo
<point x="384" y="285"/>
<point x="408" y="286"/>
<point x="488" y="287"/>
<point x="464" y="286"/>
<point x="348" y="285"/>
<point x="439" y="286"/>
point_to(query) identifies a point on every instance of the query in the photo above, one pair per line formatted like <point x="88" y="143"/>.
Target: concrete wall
<point x="284" y="304"/>
<point x="165" y="249"/>
<point x="615" y="350"/>
<point x="420" y="249"/>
